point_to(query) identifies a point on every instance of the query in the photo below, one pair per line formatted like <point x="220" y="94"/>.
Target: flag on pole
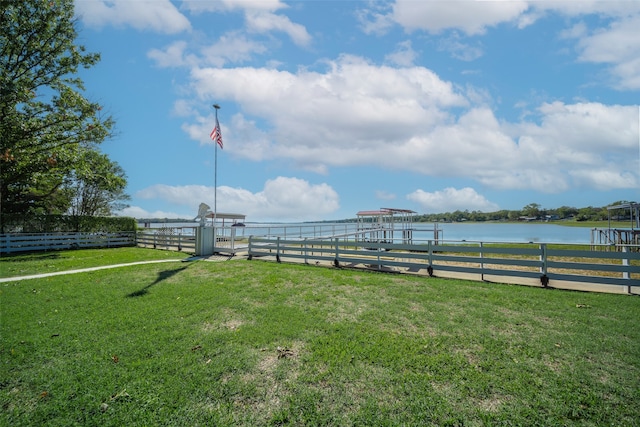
<point x="216" y="135"/>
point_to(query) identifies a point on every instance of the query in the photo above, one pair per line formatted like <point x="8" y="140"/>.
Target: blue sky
<point x="331" y="107"/>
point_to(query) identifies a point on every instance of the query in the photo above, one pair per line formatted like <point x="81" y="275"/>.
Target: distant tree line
<point x="531" y="212"/>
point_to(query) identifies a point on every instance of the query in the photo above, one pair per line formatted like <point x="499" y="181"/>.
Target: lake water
<point x="469" y="231"/>
<point x="520" y="232"/>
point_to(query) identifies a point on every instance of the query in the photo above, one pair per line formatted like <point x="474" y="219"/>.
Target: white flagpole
<point x="215" y="181"/>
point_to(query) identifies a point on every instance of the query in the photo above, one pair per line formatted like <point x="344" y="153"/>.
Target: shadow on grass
<point x="163" y="275"/>
<point x="29" y="256"/>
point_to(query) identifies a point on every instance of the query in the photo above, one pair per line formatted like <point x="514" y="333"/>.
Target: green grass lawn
<point x="51" y="261"/>
<point x="594" y="224"/>
<point x="257" y="343"/>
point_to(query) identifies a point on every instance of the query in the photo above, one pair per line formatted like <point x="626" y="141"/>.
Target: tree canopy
<point x="532" y="211"/>
<point x="47" y="126"/>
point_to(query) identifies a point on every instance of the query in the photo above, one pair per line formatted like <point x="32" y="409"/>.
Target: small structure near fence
<point x="220" y="235"/>
<point x="385" y="224"/>
<point x="619" y="237"/>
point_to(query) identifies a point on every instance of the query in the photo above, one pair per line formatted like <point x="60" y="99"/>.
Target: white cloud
<point x="451" y="199"/>
<point x="260" y="16"/>
<point x="474" y="17"/>
<point x="596" y="144"/>
<point x="231" y="48"/>
<point x="375" y="18"/>
<point x="403" y="56"/>
<point x="281" y="199"/>
<point x="471" y="17"/>
<point x="200" y="130"/>
<point x="138" y="212"/>
<point x="605" y="179"/>
<point x="357" y="113"/>
<point x="233" y="5"/>
<point x="264" y="22"/>
<point x="351" y="93"/>
<point x="171" y="56"/>
<point x="617" y="45"/>
<point x="158" y="15"/>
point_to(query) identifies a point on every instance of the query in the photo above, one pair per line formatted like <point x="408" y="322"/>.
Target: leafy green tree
<point x="566" y="212"/>
<point x="531" y="210"/>
<point x="46" y="123"/>
<point x="96" y="186"/>
<point x="591" y="213"/>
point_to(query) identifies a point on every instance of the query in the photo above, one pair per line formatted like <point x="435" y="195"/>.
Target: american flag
<point x="216" y="135"/>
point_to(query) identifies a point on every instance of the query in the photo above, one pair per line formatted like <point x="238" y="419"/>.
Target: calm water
<point x="524" y="232"/>
<point x="483" y="232"/>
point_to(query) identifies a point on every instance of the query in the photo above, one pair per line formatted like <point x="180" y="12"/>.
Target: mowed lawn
<point x="257" y="343"/>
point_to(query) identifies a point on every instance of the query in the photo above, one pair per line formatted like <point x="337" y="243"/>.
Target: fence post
<point x="544" y="279"/>
<point x="335" y="260"/>
<point x="481" y="262"/>
<point x="278" y="249"/>
<point x="430" y="267"/>
<point x="625" y="262"/>
<point x="250" y="256"/>
<point x="305" y="249"/>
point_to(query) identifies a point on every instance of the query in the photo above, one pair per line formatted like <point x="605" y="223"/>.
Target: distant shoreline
<point x="566" y="223"/>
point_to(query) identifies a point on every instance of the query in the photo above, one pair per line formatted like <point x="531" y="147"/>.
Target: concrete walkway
<point x="214" y="258"/>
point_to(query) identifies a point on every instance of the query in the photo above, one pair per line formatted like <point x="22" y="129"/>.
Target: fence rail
<point x="23" y="242"/>
<point x="541" y="264"/>
<point x="168" y="241"/>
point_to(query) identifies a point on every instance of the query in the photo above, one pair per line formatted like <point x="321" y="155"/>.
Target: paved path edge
<point x="83" y="270"/>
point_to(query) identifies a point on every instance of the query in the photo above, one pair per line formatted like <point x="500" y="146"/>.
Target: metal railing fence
<point x="540" y="263"/>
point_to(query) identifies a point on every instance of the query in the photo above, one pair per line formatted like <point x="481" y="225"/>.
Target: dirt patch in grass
<point x="230" y="320"/>
<point x="275" y="371"/>
<point x="490" y="404"/>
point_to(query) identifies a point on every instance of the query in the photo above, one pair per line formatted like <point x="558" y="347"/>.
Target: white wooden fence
<point x="536" y="264"/>
<point x="169" y="239"/>
<point x="22" y="242"/>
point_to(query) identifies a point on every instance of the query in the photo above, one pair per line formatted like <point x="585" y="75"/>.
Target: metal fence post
<point x="481" y="261"/>
<point x="306" y="254"/>
<point x="278" y="249"/>
<point x="430" y="267"/>
<point x="544" y="279"/>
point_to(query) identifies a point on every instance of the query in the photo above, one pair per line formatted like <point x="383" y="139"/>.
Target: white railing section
<point x="542" y="262"/>
<point x="180" y="239"/>
<point x="329" y="230"/>
<point x="23" y="242"/>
